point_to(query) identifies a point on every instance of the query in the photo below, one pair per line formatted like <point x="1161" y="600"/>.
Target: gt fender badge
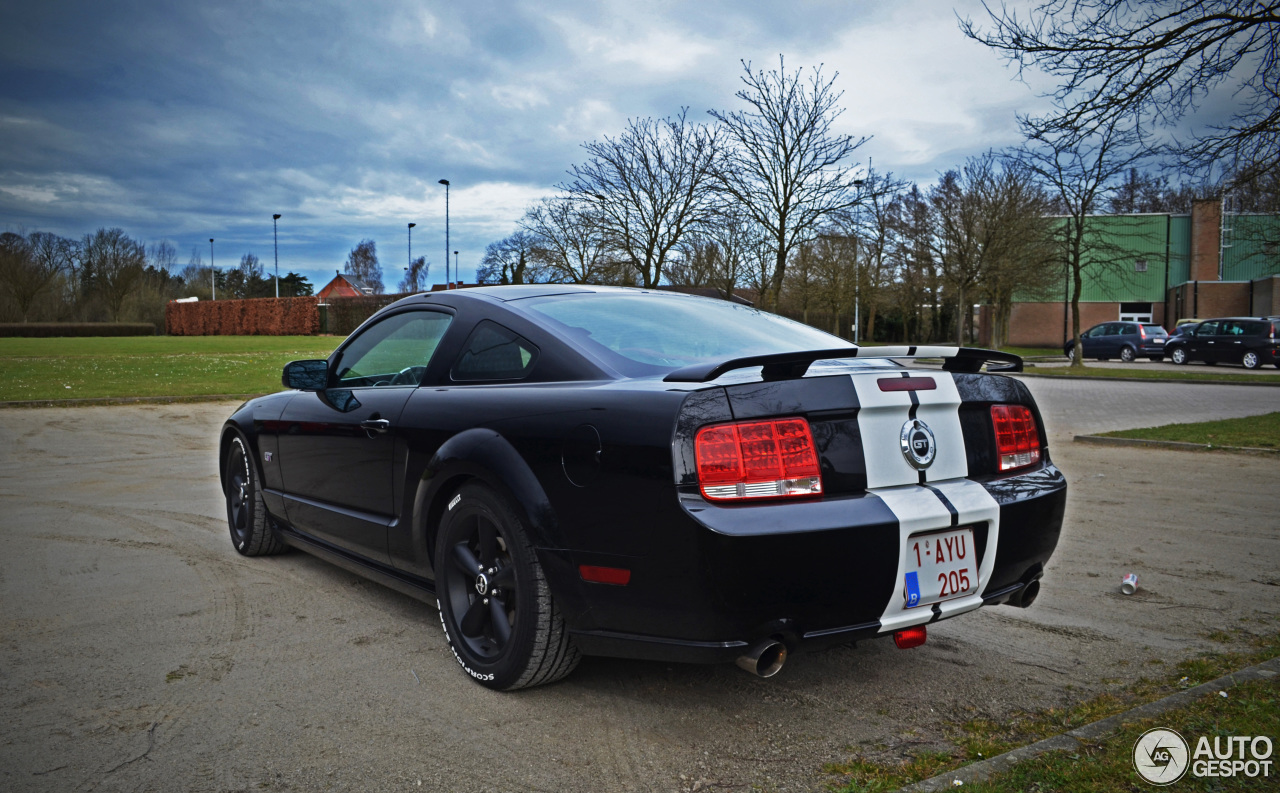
<point x="918" y="444"/>
<point x="455" y="501"/>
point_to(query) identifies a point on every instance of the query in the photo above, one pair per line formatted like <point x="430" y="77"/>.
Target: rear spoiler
<point x="789" y="365"/>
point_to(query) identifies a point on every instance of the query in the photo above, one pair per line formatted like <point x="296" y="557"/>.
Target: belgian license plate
<point x="940" y="565"/>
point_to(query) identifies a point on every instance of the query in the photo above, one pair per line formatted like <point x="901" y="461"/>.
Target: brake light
<point x="757" y="459"/>
<point x="1017" y="439"/>
<point x="910" y="637"/>
<point x="1142" y="331"/>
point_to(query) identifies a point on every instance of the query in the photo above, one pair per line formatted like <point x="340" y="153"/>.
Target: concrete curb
<point x="94" y="401"/>
<point x="980" y="771"/>
<point x="1102" y="440"/>
<point x="1263" y="379"/>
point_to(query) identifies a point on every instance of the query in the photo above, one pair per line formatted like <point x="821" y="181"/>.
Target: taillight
<point x="1017" y="440"/>
<point x="758" y="459"/>
<point x="1142" y="331"/>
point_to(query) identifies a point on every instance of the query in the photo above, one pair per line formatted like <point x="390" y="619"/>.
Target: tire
<point x="1251" y="360"/>
<point x="252" y="533"/>
<point x="1071" y="353"/>
<point x="1128" y="354"/>
<point x="495" y="606"/>
<point x="1178" y="356"/>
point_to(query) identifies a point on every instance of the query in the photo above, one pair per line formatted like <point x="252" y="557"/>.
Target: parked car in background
<point x="1184" y="328"/>
<point x="1249" y="341"/>
<point x="1124" y="340"/>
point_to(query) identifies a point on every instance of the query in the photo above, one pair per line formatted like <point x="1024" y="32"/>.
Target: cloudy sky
<point x="185" y="121"/>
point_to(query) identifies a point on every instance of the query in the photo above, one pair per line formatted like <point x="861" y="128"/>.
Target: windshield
<point x="645" y="333"/>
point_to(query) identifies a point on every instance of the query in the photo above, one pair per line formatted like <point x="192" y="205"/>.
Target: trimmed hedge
<point x="344" y="314"/>
<point x="264" y="316"/>
<point x="51" y="329"/>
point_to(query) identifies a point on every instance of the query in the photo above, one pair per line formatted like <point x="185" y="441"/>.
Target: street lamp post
<point x="213" y="271"/>
<point x="455" y="263"/>
<point x="445" y="182"/>
<point x="857" y="269"/>
<point x="410" y="267"/>
<point x="275" y="238"/>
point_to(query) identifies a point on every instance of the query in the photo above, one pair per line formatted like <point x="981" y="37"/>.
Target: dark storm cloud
<point x="190" y="121"/>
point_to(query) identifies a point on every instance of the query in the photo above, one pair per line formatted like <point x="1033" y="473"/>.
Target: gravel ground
<point x="140" y="653"/>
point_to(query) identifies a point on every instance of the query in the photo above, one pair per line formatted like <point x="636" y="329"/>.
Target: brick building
<point x="1161" y="268"/>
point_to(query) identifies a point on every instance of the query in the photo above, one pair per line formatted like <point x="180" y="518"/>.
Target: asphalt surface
<point x="1199" y="369"/>
<point x="138" y="652"/>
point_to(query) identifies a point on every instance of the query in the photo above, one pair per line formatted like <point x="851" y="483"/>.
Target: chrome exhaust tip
<point x="765" y="659"/>
<point x="1028" y="595"/>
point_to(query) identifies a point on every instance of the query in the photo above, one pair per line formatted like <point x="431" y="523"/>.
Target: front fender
<point x="485" y="455"/>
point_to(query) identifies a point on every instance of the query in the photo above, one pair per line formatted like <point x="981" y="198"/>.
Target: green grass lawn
<point x="1252" y="708"/>
<point x="69" y="368"/>
<point x="1103" y="766"/>
<point x="1199" y="373"/>
<point x="1257" y="431"/>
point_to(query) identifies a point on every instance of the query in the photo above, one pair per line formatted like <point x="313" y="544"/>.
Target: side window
<point x="395" y="351"/>
<point x="494" y="353"/>
<point x="1096" y="332"/>
<point x="1130" y="330"/>
<point x="1207" y="329"/>
<point x="1113" y="329"/>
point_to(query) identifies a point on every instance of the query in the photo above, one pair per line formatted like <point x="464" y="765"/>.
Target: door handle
<point x="376" y="425"/>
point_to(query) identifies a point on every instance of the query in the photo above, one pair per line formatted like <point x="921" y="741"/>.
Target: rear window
<point x="1155" y="330"/>
<point x="641" y="334"/>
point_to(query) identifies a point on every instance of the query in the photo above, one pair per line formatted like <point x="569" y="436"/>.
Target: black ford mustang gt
<point x="569" y="470"/>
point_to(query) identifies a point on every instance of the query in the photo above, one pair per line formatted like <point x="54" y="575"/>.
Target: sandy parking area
<point x="139" y="652"/>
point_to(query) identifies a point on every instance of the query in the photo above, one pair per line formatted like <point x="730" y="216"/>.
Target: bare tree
<point x="33" y="265"/>
<point x="912" y="256"/>
<point x="1019" y="258"/>
<point x="197" y="277"/>
<point x="362" y="263"/>
<point x="113" y="264"/>
<point x="1119" y="61"/>
<point x="415" y="276"/>
<point x="162" y="255"/>
<point x="648" y="188"/>
<point x="511" y="260"/>
<point x="1079" y="172"/>
<point x="991" y="236"/>
<point x="568" y="241"/>
<point x="785" y="166"/>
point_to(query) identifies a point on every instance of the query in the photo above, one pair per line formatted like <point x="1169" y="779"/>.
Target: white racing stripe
<point x="924" y="508"/>
<point x="947" y="499"/>
<point x="881" y="415"/>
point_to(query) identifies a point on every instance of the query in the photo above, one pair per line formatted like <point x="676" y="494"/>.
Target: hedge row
<point x="49" y="329"/>
<point x="344" y="314"/>
<point x="265" y="316"/>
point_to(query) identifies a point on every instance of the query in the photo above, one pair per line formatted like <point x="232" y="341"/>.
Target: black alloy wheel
<point x="1178" y="356"/>
<point x="251" y="530"/>
<point x="1128" y="354"/>
<point x="495" y="605"/>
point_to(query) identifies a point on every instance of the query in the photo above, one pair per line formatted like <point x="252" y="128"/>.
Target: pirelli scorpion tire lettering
<point x="495" y="605"/>
<point x="251" y="530"/>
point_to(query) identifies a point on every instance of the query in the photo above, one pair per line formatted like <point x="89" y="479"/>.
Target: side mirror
<point x="306" y="375"/>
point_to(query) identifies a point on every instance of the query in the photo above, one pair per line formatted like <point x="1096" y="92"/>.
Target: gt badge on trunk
<point x="918" y="444"/>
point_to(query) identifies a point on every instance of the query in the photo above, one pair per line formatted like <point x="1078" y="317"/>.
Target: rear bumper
<point x="811" y="574"/>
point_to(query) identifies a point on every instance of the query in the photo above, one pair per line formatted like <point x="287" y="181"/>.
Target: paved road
<point x="138" y="652"/>
<point x="1082" y="407"/>
<point x="1168" y="366"/>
